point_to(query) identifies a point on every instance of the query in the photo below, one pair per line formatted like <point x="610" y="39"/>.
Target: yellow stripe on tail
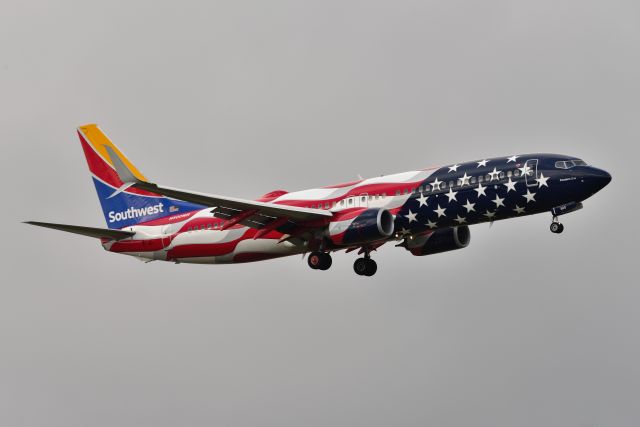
<point x="99" y="141"/>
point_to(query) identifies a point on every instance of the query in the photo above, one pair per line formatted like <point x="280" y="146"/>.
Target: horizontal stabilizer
<point x="100" y="233"/>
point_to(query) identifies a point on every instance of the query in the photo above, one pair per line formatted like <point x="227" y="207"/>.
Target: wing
<point x="100" y="233"/>
<point x="247" y="212"/>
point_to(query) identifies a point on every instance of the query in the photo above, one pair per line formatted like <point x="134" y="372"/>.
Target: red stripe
<point x="103" y="170"/>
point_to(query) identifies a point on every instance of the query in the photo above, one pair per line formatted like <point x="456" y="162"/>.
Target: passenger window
<point x="487" y="178"/>
<point x="384" y="194"/>
<point x="516" y="173"/>
<point x="405" y="191"/>
<point x="397" y="192"/>
<point x="501" y="175"/>
<point x="473" y="180"/>
<point x="327" y="205"/>
<point x="509" y="174"/>
<point x="350" y="201"/>
<point x="443" y="185"/>
<point x="450" y="183"/>
<point x="342" y="203"/>
<point x="481" y="178"/>
<point x="209" y="226"/>
<point x="420" y="189"/>
<point x="427" y="188"/>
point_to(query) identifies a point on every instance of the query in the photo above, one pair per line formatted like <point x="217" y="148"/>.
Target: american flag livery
<point x="425" y="211"/>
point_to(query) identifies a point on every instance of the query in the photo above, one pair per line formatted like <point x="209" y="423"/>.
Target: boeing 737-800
<point x="423" y="211"/>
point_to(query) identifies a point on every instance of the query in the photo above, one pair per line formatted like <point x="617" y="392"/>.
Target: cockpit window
<point x="568" y="164"/>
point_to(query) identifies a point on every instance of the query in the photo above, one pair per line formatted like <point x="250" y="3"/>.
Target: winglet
<point x="124" y="173"/>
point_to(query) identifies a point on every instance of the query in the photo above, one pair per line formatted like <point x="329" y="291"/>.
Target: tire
<point x="556" y="227"/>
<point x="372" y="267"/>
<point x="326" y="262"/>
<point x="315" y="260"/>
<point x="360" y="266"/>
<point x="561" y="229"/>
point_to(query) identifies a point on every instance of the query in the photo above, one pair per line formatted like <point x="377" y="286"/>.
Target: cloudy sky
<point x="240" y="98"/>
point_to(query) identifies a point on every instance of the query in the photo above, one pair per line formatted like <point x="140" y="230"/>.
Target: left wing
<point x="247" y="212"/>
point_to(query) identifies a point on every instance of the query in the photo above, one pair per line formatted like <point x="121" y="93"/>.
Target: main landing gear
<point x="319" y="260"/>
<point x="556" y="227"/>
<point x="365" y="266"/>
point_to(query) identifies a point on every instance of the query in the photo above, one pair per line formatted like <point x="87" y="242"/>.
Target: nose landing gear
<point x="319" y="260"/>
<point x="556" y="227"/>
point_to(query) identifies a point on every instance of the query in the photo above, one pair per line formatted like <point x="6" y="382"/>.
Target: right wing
<point x="247" y="212"/>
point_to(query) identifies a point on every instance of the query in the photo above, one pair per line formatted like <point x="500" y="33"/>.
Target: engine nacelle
<point x="359" y="227"/>
<point x="447" y="239"/>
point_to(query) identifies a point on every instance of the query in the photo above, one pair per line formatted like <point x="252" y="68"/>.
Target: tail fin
<point x="123" y="206"/>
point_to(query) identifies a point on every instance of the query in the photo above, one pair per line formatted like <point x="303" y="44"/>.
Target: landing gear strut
<point x="365" y="266"/>
<point x="319" y="260"/>
<point x="556" y="227"/>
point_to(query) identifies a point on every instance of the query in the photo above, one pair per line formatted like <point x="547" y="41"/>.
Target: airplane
<point x="426" y="211"/>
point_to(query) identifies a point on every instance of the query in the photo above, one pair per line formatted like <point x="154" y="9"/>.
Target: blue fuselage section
<point x="499" y="188"/>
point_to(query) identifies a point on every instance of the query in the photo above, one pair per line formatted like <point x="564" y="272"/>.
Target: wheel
<point x="360" y="266"/>
<point x="556" y="227"/>
<point x="315" y="260"/>
<point x="372" y="267"/>
<point x="326" y="261"/>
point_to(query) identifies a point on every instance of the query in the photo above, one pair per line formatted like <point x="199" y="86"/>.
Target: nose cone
<point x="598" y="179"/>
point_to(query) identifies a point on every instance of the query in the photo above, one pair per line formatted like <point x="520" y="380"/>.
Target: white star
<point x="494" y="174"/>
<point x="529" y="196"/>
<point x="542" y="181"/>
<point x="518" y="210"/>
<point x="411" y="216"/>
<point x="465" y="179"/>
<point x="422" y="200"/>
<point x="454" y="168"/>
<point x="480" y="190"/>
<point x="526" y="170"/>
<point x="436" y="184"/>
<point x="510" y="185"/>
<point x="440" y="211"/>
<point x="469" y="206"/>
<point x="512" y="159"/>
<point x="431" y="224"/>
<point x="482" y="163"/>
<point x="460" y="219"/>
<point x="489" y="214"/>
<point x="498" y="201"/>
<point x="452" y="195"/>
<point x="404" y="232"/>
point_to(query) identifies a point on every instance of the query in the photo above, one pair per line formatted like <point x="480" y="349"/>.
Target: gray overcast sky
<point x="522" y="328"/>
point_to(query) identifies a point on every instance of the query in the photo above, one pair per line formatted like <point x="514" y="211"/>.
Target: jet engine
<point x="446" y="239"/>
<point x="359" y="227"/>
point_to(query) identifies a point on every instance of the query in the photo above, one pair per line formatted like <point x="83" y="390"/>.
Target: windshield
<point x="568" y="164"/>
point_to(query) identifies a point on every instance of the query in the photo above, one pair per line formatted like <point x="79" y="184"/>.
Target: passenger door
<point x="531" y="172"/>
